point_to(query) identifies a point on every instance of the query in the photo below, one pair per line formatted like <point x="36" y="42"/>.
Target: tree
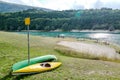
<point x="65" y="27"/>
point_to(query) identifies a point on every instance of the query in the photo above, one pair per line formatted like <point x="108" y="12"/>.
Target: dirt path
<point x="91" y="48"/>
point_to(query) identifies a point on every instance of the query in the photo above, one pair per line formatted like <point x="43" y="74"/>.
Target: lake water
<point x="106" y="36"/>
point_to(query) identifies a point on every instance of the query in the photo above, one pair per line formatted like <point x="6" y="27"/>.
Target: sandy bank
<point x="92" y="49"/>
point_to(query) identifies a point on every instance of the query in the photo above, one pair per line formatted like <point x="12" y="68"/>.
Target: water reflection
<point x="109" y="37"/>
<point x="100" y="35"/>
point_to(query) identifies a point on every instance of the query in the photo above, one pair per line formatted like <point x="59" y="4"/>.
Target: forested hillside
<point x="105" y="19"/>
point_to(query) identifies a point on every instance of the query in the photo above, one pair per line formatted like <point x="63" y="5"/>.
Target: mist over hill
<point x="11" y="7"/>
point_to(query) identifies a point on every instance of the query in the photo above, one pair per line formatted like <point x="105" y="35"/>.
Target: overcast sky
<point x="69" y="4"/>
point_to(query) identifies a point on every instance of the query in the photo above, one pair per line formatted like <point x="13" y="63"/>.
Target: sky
<point x="69" y="4"/>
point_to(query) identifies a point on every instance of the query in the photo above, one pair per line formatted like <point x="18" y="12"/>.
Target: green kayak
<point x="22" y="64"/>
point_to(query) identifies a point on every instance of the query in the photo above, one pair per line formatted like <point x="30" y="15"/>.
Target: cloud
<point x="114" y="5"/>
<point x="58" y="4"/>
<point x="98" y="4"/>
<point x="107" y="3"/>
<point x="76" y="5"/>
<point x="69" y="4"/>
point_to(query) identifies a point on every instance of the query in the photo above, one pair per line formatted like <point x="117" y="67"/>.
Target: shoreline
<point x="115" y="31"/>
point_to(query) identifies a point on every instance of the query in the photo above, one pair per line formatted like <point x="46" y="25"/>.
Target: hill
<point x="11" y="7"/>
<point x="91" y="19"/>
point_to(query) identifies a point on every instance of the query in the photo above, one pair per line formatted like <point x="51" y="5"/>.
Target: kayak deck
<point x="36" y="68"/>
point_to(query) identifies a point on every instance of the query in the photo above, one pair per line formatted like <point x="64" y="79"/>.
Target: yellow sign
<point x="27" y="21"/>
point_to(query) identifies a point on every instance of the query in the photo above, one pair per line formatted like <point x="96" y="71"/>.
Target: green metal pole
<point x="28" y="45"/>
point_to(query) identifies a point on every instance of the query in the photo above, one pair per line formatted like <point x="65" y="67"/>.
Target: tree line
<point x="102" y="19"/>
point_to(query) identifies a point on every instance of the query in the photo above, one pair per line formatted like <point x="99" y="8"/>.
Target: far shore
<point x="115" y="31"/>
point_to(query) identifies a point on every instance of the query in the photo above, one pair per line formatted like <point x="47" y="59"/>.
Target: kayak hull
<point x="36" y="68"/>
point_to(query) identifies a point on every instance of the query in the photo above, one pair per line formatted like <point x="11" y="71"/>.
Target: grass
<point x="13" y="48"/>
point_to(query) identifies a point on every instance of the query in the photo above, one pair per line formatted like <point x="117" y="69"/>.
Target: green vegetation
<point x="13" y="48"/>
<point x="102" y="19"/>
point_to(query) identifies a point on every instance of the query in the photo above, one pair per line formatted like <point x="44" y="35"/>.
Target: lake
<point x="106" y="36"/>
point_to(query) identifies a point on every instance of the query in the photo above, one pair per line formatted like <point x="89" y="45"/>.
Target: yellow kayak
<point x="39" y="67"/>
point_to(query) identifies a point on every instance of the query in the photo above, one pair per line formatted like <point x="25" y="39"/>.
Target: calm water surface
<point x="107" y="36"/>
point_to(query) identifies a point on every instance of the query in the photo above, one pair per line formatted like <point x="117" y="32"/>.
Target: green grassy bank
<point x="13" y="48"/>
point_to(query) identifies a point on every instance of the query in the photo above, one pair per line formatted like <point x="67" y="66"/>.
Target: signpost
<point x="27" y="23"/>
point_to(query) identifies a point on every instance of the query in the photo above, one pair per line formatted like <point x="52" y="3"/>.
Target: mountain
<point x="11" y="7"/>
